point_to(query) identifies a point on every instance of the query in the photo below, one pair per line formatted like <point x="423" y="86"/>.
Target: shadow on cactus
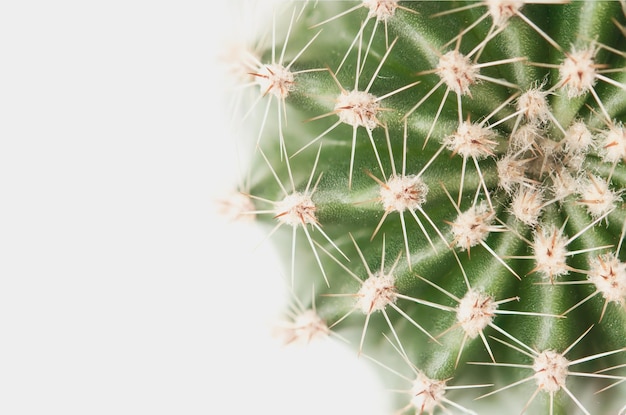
<point x="447" y="178"/>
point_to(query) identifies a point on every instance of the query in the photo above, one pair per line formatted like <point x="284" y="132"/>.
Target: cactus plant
<point x="444" y="180"/>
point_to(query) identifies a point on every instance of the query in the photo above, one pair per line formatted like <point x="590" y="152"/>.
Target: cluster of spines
<point x="534" y="172"/>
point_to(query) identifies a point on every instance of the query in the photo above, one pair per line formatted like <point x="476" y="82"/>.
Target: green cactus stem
<point x="447" y="177"/>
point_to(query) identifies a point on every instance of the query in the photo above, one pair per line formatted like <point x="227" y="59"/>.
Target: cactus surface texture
<point x="444" y="180"/>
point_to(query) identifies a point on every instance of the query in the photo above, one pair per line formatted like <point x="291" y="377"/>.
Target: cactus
<point x="444" y="181"/>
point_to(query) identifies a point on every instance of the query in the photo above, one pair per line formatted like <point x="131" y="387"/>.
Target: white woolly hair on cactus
<point x="444" y="180"/>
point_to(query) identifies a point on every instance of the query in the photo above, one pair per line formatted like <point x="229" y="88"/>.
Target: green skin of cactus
<point x="345" y="210"/>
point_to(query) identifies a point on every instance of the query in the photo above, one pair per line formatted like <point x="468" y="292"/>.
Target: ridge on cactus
<point x="444" y="180"/>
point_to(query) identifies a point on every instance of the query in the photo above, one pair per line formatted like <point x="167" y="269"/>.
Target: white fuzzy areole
<point x="502" y="10"/>
<point x="578" y="72"/>
<point x="534" y="105"/>
<point x="382" y="10"/>
<point x="471" y="140"/>
<point x="457" y="72"/>
<point x="296" y="209"/>
<point x="550" y="371"/>
<point x="614" y="144"/>
<point x="475" y="311"/>
<point x="472" y="226"/>
<point x="306" y="327"/>
<point x="402" y="193"/>
<point x="237" y="207"/>
<point x="608" y="274"/>
<point x="427" y="394"/>
<point x="564" y="184"/>
<point x="376" y="293"/>
<point x="596" y="195"/>
<point x="526" y="205"/>
<point x="275" y="79"/>
<point x="578" y="138"/>
<point x="550" y="252"/>
<point x="358" y="109"/>
<point x="526" y="137"/>
<point x="511" y="172"/>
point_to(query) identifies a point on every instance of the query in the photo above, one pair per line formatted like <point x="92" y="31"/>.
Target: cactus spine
<point x="446" y="177"/>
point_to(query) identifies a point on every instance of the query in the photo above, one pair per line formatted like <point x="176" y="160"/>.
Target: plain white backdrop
<point x="121" y="291"/>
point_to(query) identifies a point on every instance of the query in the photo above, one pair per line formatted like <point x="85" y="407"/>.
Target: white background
<point x="121" y="291"/>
